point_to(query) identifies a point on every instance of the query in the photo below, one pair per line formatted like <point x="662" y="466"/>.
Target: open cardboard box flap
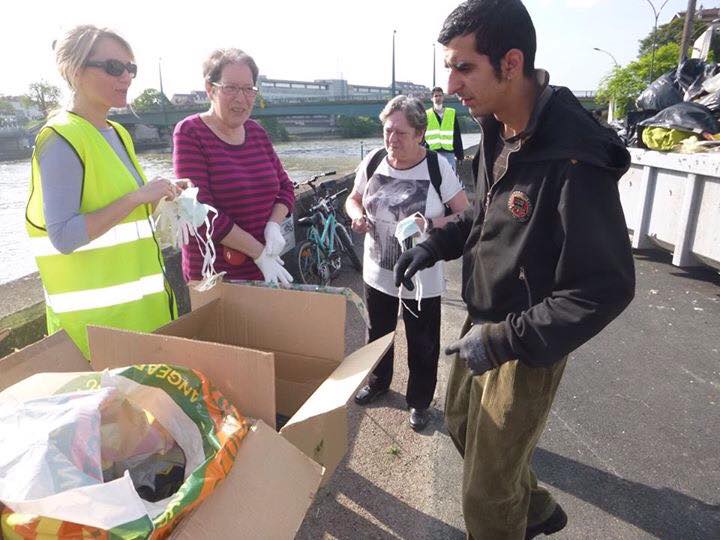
<point x="311" y="324"/>
<point x="271" y="484"/>
<point x="266" y="495"/>
<point x="56" y="353"/>
<point x="316" y="426"/>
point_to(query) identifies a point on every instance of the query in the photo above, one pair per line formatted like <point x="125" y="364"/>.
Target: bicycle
<point x="319" y="258"/>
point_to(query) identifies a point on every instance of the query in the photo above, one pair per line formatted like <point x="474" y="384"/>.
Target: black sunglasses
<point x="114" y="67"/>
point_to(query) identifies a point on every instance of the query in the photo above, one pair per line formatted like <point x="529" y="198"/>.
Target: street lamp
<point x="609" y="54"/>
<point x="162" y="92"/>
<point x="656" y="13"/>
<point x="393" y="65"/>
<point x="611" y="105"/>
<point x="433" y="65"/>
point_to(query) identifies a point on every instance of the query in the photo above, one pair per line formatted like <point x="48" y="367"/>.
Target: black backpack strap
<point x="436" y="177"/>
<point x="374" y="163"/>
<point x="434" y="170"/>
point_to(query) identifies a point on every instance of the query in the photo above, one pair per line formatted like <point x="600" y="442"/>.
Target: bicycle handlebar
<point x="314" y="179"/>
<point x="326" y="201"/>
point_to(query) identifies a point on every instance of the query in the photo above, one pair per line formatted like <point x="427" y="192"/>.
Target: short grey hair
<point x="219" y="58"/>
<point x="411" y="107"/>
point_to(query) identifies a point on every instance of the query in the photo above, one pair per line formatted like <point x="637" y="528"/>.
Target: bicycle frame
<point x="324" y="247"/>
<point x="326" y="240"/>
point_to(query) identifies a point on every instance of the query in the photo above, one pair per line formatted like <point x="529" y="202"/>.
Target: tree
<point x="358" y="126"/>
<point x="150" y="99"/>
<point x="624" y="84"/>
<point x="670" y="32"/>
<point x="274" y="128"/>
<point x="44" y="96"/>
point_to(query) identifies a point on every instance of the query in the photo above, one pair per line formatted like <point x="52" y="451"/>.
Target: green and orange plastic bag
<point x="86" y="424"/>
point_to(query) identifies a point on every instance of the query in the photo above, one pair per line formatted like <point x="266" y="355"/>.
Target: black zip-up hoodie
<point x="547" y="262"/>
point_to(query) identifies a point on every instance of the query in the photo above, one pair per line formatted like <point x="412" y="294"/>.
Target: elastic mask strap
<point x="207" y="250"/>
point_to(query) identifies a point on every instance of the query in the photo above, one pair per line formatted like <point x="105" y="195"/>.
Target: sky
<point x="315" y="39"/>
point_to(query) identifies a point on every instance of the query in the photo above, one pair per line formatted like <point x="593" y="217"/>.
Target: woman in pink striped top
<point x="231" y="160"/>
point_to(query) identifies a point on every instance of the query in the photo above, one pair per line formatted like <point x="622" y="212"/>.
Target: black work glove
<point x="472" y="350"/>
<point x="410" y="263"/>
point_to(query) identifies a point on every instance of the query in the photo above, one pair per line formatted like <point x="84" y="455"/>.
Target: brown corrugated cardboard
<point x="271" y="484"/>
<point x="269" y="490"/>
<point x="247" y="375"/>
<point x="306" y="333"/>
<point x="52" y="354"/>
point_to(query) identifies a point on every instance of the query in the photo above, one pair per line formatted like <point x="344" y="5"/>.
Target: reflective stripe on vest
<point x="440" y="136"/>
<point x="106" y="296"/>
<point x="121" y="233"/>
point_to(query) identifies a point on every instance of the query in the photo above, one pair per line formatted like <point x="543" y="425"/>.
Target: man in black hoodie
<point x="546" y="261"/>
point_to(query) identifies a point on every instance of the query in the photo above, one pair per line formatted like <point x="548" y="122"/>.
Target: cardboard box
<point x="258" y="499"/>
<point x="289" y="346"/>
<point x="269" y="351"/>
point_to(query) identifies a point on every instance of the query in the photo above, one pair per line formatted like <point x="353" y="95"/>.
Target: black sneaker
<point x="419" y="418"/>
<point x="368" y="394"/>
<point x="556" y="522"/>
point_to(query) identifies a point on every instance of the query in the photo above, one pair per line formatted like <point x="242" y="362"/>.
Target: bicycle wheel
<point x="347" y="246"/>
<point x="312" y="271"/>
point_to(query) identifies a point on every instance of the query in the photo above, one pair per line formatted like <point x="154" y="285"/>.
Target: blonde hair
<point x="74" y="48"/>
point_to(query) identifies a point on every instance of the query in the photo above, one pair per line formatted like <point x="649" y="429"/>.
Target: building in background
<point x="279" y="90"/>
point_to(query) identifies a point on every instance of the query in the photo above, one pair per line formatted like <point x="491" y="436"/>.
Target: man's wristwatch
<point x="430" y="225"/>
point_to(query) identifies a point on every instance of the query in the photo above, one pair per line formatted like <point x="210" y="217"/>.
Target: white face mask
<point x="175" y="221"/>
<point x="190" y="209"/>
<point x="405" y="229"/>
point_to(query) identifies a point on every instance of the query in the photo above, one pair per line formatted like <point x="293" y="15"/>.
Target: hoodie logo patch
<point x="520" y="206"/>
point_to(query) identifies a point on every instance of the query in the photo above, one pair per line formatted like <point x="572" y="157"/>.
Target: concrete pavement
<point x="630" y="449"/>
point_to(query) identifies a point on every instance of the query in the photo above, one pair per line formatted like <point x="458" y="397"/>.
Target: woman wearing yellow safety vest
<point x="89" y="202"/>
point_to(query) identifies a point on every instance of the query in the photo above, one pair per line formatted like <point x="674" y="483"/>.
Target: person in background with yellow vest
<point x="89" y="204"/>
<point x="443" y="130"/>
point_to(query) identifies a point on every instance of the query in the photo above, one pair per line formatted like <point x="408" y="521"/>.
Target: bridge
<point x="172" y="115"/>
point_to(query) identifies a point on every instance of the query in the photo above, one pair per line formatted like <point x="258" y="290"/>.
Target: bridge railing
<point x="584" y="93"/>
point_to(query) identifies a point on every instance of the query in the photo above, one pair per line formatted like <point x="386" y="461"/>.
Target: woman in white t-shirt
<point x="402" y="186"/>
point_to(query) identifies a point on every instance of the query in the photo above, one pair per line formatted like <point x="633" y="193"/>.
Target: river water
<point x="301" y="159"/>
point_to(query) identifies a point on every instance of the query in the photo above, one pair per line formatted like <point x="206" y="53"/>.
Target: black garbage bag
<point x="699" y="88"/>
<point x="662" y="93"/>
<point x="685" y="116"/>
<point x="688" y="73"/>
<point x="630" y="135"/>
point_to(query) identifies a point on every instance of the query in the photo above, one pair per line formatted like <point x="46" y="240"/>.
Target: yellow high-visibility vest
<point x="440" y="136"/>
<point x="117" y="279"/>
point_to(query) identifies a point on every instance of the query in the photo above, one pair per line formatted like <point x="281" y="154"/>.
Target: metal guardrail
<point x="671" y="200"/>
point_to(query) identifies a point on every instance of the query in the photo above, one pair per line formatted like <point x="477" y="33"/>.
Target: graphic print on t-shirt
<point x="388" y="200"/>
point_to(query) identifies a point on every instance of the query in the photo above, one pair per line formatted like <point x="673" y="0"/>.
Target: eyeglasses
<point x="234" y="89"/>
<point x="114" y="67"/>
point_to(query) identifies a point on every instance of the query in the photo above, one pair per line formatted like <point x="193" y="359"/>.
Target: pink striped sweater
<point x="243" y="182"/>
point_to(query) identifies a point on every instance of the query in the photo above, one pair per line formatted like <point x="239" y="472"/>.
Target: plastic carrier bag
<point x="661" y="93"/>
<point x="122" y="453"/>
<point x="662" y="138"/>
<point x="686" y="116"/>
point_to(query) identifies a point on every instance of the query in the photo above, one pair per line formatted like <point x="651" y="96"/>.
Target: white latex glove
<point x="272" y="269"/>
<point x="274" y="241"/>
